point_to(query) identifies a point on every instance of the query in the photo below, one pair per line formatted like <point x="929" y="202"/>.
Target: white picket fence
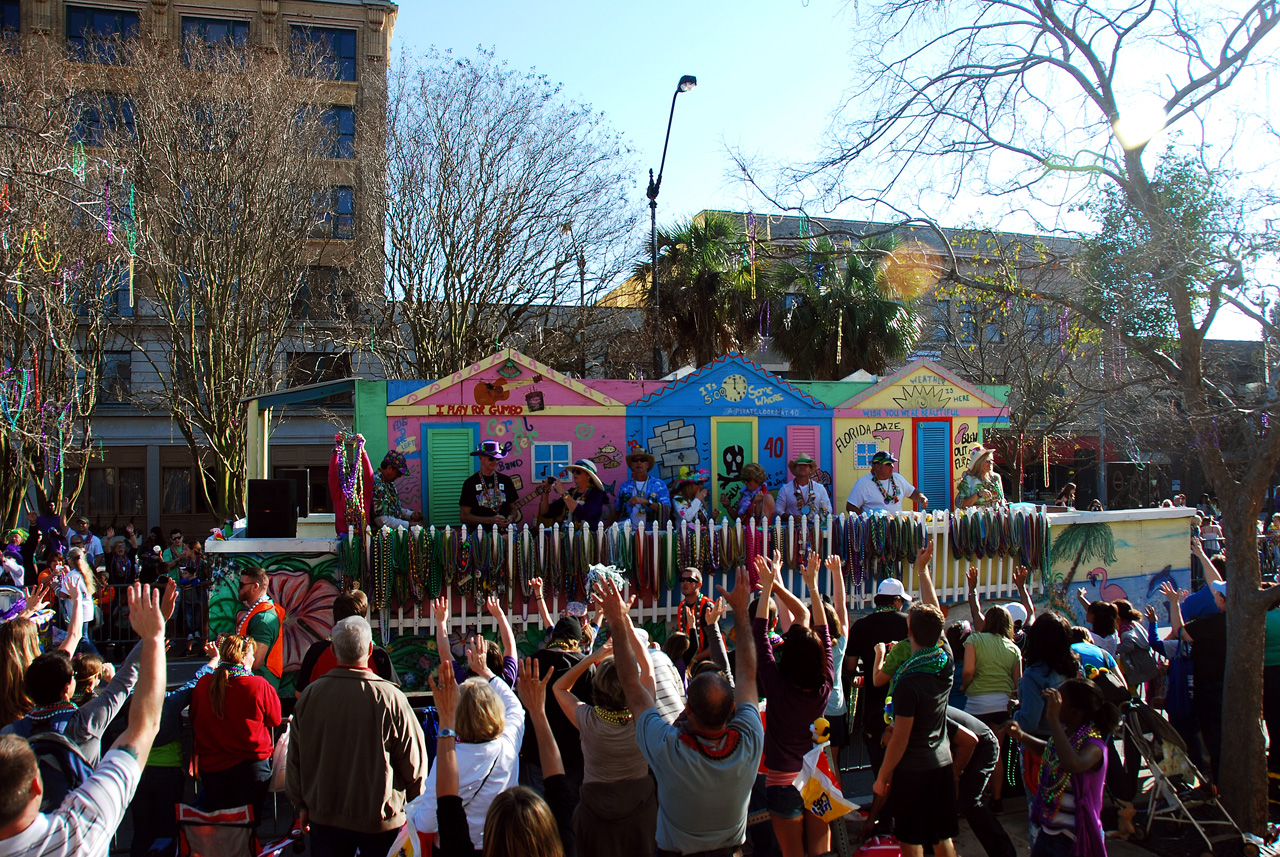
<point x="995" y="574"/>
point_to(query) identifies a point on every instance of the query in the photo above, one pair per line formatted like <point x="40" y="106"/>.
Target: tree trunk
<point x="1243" y="769"/>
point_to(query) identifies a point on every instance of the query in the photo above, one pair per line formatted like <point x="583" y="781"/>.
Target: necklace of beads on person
<point x="888" y="497"/>
<point x="621" y="717"/>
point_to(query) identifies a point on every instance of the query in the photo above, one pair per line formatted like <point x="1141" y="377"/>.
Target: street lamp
<point x="687" y="83"/>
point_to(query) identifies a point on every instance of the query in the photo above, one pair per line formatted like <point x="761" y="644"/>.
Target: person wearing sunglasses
<point x="172" y="555"/>
<point x="694" y="610"/>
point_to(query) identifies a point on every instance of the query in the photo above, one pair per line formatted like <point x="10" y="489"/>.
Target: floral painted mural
<point x="303" y="584"/>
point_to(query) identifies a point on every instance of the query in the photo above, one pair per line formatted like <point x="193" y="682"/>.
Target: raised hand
<point x="144" y="611"/>
<point x="834" y="565"/>
<point x="1151" y="613"/>
<point x="1052" y="703"/>
<point x="740" y="598"/>
<point x="169" y="599"/>
<point x="1020" y="577"/>
<point x="610" y="600"/>
<point x="766" y="572"/>
<point x="440" y="610"/>
<point x="477" y="648"/>
<point x="445" y="693"/>
<point x="532" y="690"/>
<point x="971" y="578"/>
<point x="923" y="557"/>
<point x="536" y="586"/>
<point x="810" y="572"/>
<point x="718" y="608"/>
<point x="493" y="606"/>
<point x="1170" y="592"/>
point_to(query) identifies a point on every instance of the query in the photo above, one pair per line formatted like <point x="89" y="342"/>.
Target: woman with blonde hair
<point x="78" y="573"/>
<point x="992" y="670"/>
<point x="980" y="485"/>
<point x="489" y="727"/>
<point x="232" y="714"/>
<point x="20" y="645"/>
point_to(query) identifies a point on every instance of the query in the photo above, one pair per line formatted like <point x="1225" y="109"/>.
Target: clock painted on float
<point x="734" y="388"/>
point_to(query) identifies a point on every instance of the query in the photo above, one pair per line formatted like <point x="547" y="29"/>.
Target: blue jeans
<point x="1052" y="845"/>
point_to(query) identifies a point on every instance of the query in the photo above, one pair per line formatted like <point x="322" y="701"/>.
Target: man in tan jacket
<point x="357" y="754"/>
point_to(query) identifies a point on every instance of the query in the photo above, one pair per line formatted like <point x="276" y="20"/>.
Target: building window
<point x="1042" y="325"/>
<point x="863" y="454"/>
<point x="95" y="35"/>
<point x="175" y="488"/>
<point x="214" y="33"/>
<point x="116" y="492"/>
<point x="311" y="367"/>
<point x="340" y="132"/>
<point x="942" y="320"/>
<point x="549" y="459"/>
<point x="333" y="50"/>
<point x="10" y="17"/>
<point x="324" y="292"/>
<point x="335" y="213"/>
<point x="117" y="376"/>
<point x="102" y="116"/>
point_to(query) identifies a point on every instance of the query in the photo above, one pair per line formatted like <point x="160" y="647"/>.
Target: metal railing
<point x="112" y="634"/>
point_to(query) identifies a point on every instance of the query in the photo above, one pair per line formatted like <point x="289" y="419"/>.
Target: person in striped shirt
<point x="88" y="818"/>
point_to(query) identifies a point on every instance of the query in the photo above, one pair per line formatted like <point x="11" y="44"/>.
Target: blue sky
<point x="769" y="74"/>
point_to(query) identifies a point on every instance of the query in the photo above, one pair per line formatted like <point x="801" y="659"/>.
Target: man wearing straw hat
<point x="642" y="498"/>
<point x="802" y="497"/>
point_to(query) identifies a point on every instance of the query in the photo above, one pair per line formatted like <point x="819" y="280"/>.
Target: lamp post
<point x="687" y="82"/>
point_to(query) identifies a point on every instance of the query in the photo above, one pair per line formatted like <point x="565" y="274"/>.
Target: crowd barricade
<point x="112" y="633"/>
<point x="402" y="569"/>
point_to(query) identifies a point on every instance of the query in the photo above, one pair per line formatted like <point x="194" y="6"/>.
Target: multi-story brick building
<point x="145" y="474"/>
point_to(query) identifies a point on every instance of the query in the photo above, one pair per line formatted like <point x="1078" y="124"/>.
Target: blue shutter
<point x="446" y="464"/>
<point x="933" y="462"/>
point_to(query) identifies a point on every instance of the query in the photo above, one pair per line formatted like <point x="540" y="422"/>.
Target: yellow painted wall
<point x="896" y="435"/>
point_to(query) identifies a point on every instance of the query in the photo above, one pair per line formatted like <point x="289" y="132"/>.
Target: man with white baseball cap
<point x="888" y="625"/>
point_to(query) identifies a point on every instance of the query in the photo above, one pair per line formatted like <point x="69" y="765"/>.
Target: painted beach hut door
<point x="933" y="461"/>
<point x="734" y="447"/>
<point x="449" y="452"/>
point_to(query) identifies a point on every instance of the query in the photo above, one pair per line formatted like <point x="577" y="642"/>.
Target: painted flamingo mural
<point x="1106" y="591"/>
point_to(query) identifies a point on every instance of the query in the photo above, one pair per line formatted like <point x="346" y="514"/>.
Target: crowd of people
<point x="605" y="742"/>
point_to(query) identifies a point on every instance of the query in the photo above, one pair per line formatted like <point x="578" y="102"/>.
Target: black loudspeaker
<point x="302" y="485"/>
<point x="273" y="509"/>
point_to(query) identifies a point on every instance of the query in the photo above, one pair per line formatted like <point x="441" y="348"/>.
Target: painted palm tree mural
<point x="1079" y="543"/>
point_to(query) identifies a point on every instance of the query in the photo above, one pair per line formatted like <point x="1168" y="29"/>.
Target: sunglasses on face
<point x="690" y="580"/>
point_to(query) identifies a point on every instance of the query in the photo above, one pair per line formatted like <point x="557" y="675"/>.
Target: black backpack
<point x="63" y="768"/>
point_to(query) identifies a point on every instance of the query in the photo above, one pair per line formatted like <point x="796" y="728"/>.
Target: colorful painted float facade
<point x="926" y="417"/>
<point x="542" y="419"/>
<point x="726" y="415"/>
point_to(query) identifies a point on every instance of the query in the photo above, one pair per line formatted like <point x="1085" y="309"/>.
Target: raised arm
<point x="799" y="614"/>
<point x="1210" y="570"/>
<point x="494" y="606"/>
<point x="818" y="612"/>
<point x="563" y="688"/>
<point x="744" y="689"/>
<point x="75" y="624"/>
<point x="1021" y="579"/>
<point x="1174" y="596"/>
<point x="839" y="599"/>
<point x="767" y="570"/>
<point x="928" y="594"/>
<point x="1083" y="598"/>
<point x="544" y="615"/>
<point x="147" y="620"/>
<point x="440" y="613"/>
<point x="975" y="607"/>
<point x="639" y="698"/>
<point x="533" y="693"/>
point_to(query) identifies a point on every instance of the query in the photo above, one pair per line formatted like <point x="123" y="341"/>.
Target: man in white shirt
<point x="92" y="544"/>
<point x="883" y="488"/>
<point x="88" y="818"/>
<point x="802" y="497"/>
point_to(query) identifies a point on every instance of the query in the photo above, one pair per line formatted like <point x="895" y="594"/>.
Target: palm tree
<point x="847" y="316"/>
<point x="708" y="306"/>
<point x="1085" y="542"/>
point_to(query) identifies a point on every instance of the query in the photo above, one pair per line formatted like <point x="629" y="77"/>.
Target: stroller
<point x="1178" y="787"/>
